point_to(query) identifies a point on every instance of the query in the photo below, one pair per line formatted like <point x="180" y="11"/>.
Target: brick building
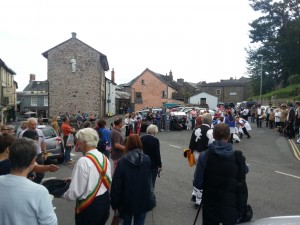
<point x="76" y="76"/>
<point x="151" y="89"/>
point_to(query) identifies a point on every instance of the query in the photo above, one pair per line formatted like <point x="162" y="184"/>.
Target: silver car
<point x="280" y="220"/>
<point x="54" y="144"/>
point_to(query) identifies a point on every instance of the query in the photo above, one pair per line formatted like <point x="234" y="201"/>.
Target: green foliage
<point x="276" y="46"/>
<point x="290" y="92"/>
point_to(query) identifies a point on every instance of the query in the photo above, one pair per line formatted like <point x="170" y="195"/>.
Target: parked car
<point x="143" y="113"/>
<point x="54" y="144"/>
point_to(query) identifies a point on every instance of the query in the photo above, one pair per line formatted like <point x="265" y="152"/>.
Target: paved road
<point x="273" y="180"/>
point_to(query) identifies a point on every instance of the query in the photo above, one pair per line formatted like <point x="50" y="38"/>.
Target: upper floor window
<point x="218" y="92"/>
<point x="164" y="94"/>
<point x="33" y="100"/>
<point x="138" y="94"/>
<point x="143" y="82"/>
<point x="45" y="100"/>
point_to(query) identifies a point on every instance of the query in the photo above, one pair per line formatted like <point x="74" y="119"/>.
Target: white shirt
<point x="85" y="177"/>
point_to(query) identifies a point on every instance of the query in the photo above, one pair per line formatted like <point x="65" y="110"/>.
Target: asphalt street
<point x="273" y="180"/>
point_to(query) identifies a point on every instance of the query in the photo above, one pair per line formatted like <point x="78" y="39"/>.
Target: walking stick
<point x="197" y="213"/>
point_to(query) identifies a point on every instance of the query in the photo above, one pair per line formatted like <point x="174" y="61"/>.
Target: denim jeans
<point x="138" y="219"/>
<point x="68" y="149"/>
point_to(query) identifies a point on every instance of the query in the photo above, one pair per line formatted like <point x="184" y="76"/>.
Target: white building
<point x="204" y="99"/>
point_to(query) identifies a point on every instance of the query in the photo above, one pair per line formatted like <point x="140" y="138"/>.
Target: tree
<point x="275" y="35"/>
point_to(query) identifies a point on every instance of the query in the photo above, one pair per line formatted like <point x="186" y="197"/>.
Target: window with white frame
<point x="45" y="100"/>
<point x="33" y="100"/>
<point x="218" y="92"/>
<point x="164" y="94"/>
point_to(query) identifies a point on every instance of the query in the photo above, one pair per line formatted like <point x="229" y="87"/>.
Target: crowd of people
<point x="128" y="186"/>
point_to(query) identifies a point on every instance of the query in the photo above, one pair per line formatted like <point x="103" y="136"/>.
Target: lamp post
<point x="261" y="70"/>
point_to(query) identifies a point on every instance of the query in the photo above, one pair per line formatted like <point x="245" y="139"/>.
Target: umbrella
<point x="29" y="113"/>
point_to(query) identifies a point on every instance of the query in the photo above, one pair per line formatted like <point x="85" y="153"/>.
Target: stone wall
<point x="82" y="90"/>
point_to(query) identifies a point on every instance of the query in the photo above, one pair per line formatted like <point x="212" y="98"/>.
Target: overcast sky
<point x="197" y="40"/>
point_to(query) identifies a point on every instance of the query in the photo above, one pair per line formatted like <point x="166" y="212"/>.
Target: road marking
<point x="295" y="149"/>
<point x="290" y="175"/>
<point x="72" y="154"/>
<point x="175" y="146"/>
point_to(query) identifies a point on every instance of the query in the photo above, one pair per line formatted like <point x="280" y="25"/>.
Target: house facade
<point x="76" y="78"/>
<point x="33" y="100"/>
<point x="8" y="99"/>
<point x="231" y="90"/>
<point x="151" y="89"/>
<point x="204" y="100"/>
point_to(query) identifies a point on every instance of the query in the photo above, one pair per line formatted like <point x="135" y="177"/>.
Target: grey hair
<point x="152" y="129"/>
<point x="206" y="118"/>
<point x="23" y="124"/>
<point x="32" y="119"/>
<point x="89" y="136"/>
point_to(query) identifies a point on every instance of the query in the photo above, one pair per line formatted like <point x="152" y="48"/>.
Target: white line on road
<point x="175" y="146"/>
<point x="287" y="174"/>
<point x="72" y="154"/>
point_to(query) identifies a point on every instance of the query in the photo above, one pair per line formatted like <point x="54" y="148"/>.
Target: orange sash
<point x="103" y="179"/>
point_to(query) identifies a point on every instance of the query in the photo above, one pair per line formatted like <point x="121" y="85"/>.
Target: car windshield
<point x="49" y="133"/>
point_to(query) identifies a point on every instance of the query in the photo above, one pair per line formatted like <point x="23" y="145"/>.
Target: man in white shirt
<point x="41" y="150"/>
<point x="23" y="201"/>
<point x="89" y="186"/>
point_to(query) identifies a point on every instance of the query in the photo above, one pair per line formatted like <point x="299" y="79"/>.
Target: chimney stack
<point x="32" y="78"/>
<point x="73" y="35"/>
<point x="113" y="75"/>
<point x="171" y="75"/>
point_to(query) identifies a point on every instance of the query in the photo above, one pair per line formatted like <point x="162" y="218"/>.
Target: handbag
<point x="70" y="140"/>
<point x="187" y="153"/>
<point x="247" y="215"/>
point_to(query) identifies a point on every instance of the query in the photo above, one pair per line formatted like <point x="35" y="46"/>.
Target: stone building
<point x="34" y="98"/>
<point x="232" y="90"/>
<point x="8" y="99"/>
<point x="76" y="76"/>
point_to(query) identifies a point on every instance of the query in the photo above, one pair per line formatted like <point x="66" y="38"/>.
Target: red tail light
<point x="58" y="141"/>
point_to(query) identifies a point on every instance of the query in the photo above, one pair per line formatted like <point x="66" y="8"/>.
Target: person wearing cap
<point x="117" y="141"/>
<point x="90" y="181"/>
<point x="283" y="117"/>
<point x="23" y="201"/>
<point x="201" y="137"/>
<point x="41" y="145"/>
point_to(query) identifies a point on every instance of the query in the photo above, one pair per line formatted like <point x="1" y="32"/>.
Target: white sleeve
<point x="79" y="181"/>
<point x="209" y="135"/>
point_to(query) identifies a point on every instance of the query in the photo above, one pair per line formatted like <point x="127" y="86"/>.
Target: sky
<point x="197" y="40"/>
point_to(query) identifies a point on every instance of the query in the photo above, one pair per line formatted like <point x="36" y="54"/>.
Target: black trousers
<point x="96" y="213"/>
<point x="209" y="218"/>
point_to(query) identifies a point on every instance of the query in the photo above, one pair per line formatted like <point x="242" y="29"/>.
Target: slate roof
<point x="37" y="86"/>
<point x="2" y="64"/>
<point x="226" y="83"/>
<point x="103" y="58"/>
